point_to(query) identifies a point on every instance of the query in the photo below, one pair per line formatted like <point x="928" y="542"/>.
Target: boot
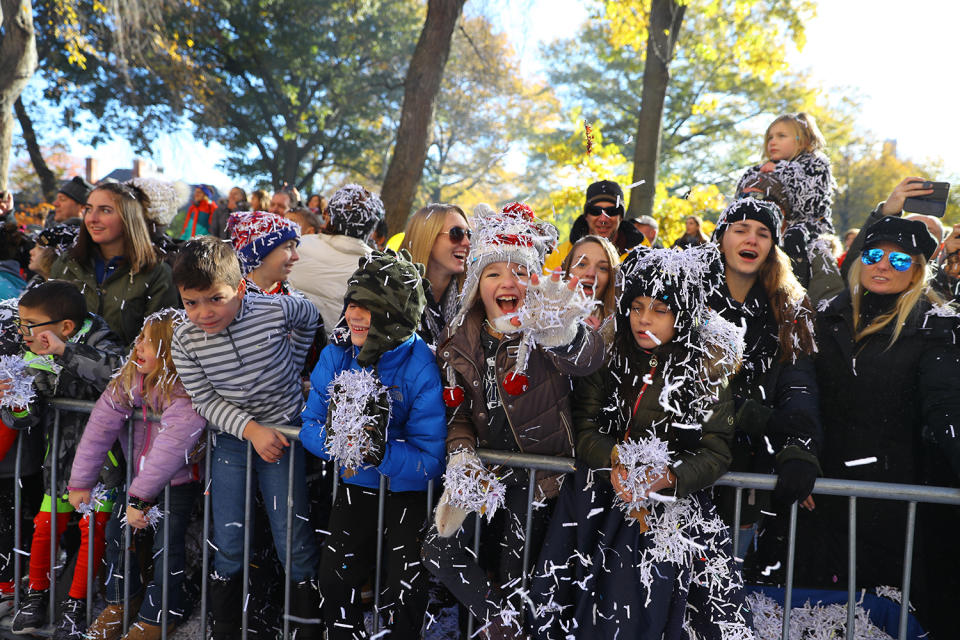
<point x="225" y="604"/>
<point x="109" y="624"/>
<point x="32" y="614"/>
<point x="305" y="610"/>
<point x="141" y="630"/>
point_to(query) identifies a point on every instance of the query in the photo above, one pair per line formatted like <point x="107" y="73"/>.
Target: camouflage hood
<point x="391" y="286"/>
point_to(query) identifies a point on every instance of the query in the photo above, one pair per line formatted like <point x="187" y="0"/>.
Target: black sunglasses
<point x="458" y="233"/>
<point x="594" y="210"/>
<point x="27" y="329"/>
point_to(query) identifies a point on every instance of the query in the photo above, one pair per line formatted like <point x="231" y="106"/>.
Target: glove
<point x="447" y="517"/>
<point x="795" y="480"/>
<point x="379" y="408"/>
<point x="552" y="312"/>
<point x="784" y="425"/>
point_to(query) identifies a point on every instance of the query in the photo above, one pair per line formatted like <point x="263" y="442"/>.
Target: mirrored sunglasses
<point x="898" y="260"/>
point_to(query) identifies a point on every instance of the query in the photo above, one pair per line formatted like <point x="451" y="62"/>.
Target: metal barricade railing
<point x="912" y="494"/>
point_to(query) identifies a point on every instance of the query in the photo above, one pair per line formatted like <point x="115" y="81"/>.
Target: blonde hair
<point x="421" y="233"/>
<point x="804" y="126"/>
<point x="906" y="301"/>
<point x="699" y="221"/>
<point x="158" y="328"/>
<point x="609" y="300"/>
<point x="131" y="203"/>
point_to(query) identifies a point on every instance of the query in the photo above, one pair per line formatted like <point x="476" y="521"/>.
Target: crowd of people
<point x="770" y="347"/>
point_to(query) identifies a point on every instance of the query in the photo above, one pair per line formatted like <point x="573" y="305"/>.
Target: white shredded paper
<point x="21" y="392"/>
<point x="355" y="396"/>
<point x="472" y="486"/>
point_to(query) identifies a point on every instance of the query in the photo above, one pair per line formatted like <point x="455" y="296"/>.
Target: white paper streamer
<point x="21" y="393"/>
<point x="472" y="486"/>
<point x="355" y="397"/>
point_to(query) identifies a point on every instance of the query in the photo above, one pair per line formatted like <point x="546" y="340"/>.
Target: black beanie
<point x="77" y="189"/>
<point x="749" y="208"/>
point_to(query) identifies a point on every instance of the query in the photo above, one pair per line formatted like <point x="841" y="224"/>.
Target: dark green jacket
<point x="698" y="466"/>
<point x="123" y="299"/>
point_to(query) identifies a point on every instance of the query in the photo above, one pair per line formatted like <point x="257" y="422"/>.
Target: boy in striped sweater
<point x="240" y="358"/>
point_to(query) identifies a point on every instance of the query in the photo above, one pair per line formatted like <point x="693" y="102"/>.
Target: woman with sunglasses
<point x="888" y="369"/>
<point x="438" y="237"/>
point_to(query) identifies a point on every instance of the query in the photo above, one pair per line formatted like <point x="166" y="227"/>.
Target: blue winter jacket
<point x="415" y="449"/>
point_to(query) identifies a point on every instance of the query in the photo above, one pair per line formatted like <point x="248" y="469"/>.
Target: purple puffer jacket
<point x="162" y="450"/>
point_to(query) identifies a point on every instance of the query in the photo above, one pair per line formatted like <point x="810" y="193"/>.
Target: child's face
<point x="145" y="355"/>
<point x="591" y="264"/>
<point x="37" y="253"/>
<point x="782" y="143"/>
<point x="212" y="309"/>
<point x="358" y="319"/>
<point x="40" y="322"/>
<point x="278" y="264"/>
<point x="647" y="316"/>
<point x="503" y="286"/>
<point x="305" y="228"/>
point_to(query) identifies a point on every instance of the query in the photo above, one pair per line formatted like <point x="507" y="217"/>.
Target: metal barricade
<point x="911" y="494"/>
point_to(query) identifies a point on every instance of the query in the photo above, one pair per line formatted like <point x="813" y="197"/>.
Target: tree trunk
<point x="420" y="92"/>
<point x="666" y="17"/>
<point x="18" y="53"/>
<point x="48" y="181"/>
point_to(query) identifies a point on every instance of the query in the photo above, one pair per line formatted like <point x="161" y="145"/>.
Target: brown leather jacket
<point x="540" y="417"/>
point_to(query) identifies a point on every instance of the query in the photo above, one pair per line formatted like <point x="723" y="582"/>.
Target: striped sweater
<point x="251" y="369"/>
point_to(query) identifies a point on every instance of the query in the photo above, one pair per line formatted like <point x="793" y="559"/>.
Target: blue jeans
<point x="182" y="499"/>
<point x="227" y="487"/>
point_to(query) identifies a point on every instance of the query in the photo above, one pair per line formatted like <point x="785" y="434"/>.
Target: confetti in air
<point x="358" y="401"/>
<point x="472" y="487"/>
<point x="21" y="392"/>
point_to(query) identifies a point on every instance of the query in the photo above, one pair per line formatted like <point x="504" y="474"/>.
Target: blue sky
<point x="898" y="57"/>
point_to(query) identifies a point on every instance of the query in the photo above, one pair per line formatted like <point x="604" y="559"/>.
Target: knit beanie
<point x="749" y="208"/>
<point x="355" y="212"/>
<point x="59" y="237"/>
<point x="390" y="286"/>
<point x="682" y="279"/>
<point x="912" y="236"/>
<point x="255" y="234"/>
<point x="162" y="199"/>
<point x="77" y="189"/>
<point x="513" y="235"/>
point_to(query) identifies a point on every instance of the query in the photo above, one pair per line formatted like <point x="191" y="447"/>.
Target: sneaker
<point x="73" y="620"/>
<point x="32" y="613"/>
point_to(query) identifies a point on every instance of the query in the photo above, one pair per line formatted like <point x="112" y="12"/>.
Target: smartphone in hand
<point x="934" y="204"/>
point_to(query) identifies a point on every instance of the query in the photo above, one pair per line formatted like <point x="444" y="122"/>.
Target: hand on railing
<point x="268" y="442"/>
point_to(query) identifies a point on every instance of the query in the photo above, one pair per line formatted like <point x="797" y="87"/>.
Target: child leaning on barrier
<point x="375" y="408"/>
<point x="507" y="359"/>
<point x="239" y="357"/>
<point x="163" y="452"/>
<point x="71" y="354"/>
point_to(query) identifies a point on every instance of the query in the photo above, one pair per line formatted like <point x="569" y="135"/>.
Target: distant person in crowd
<point x="115" y="264"/>
<point x="595" y="262"/>
<point x="934" y="226"/>
<point x="310" y="222"/>
<point x="693" y="234"/>
<point x="200" y="214"/>
<point x="438" y="236"/>
<point x="381" y="233"/>
<point x="848" y="237"/>
<point x="50" y="244"/>
<point x="6" y="204"/>
<point x="284" y="200"/>
<point x="328" y="260"/>
<point x="236" y="201"/>
<point x="602" y="214"/>
<point x="69" y="202"/>
<point x="316" y="202"/>
<point x="649" y="228"/>
<point x="259" y="200"/>
<point x="14" y="257"/>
